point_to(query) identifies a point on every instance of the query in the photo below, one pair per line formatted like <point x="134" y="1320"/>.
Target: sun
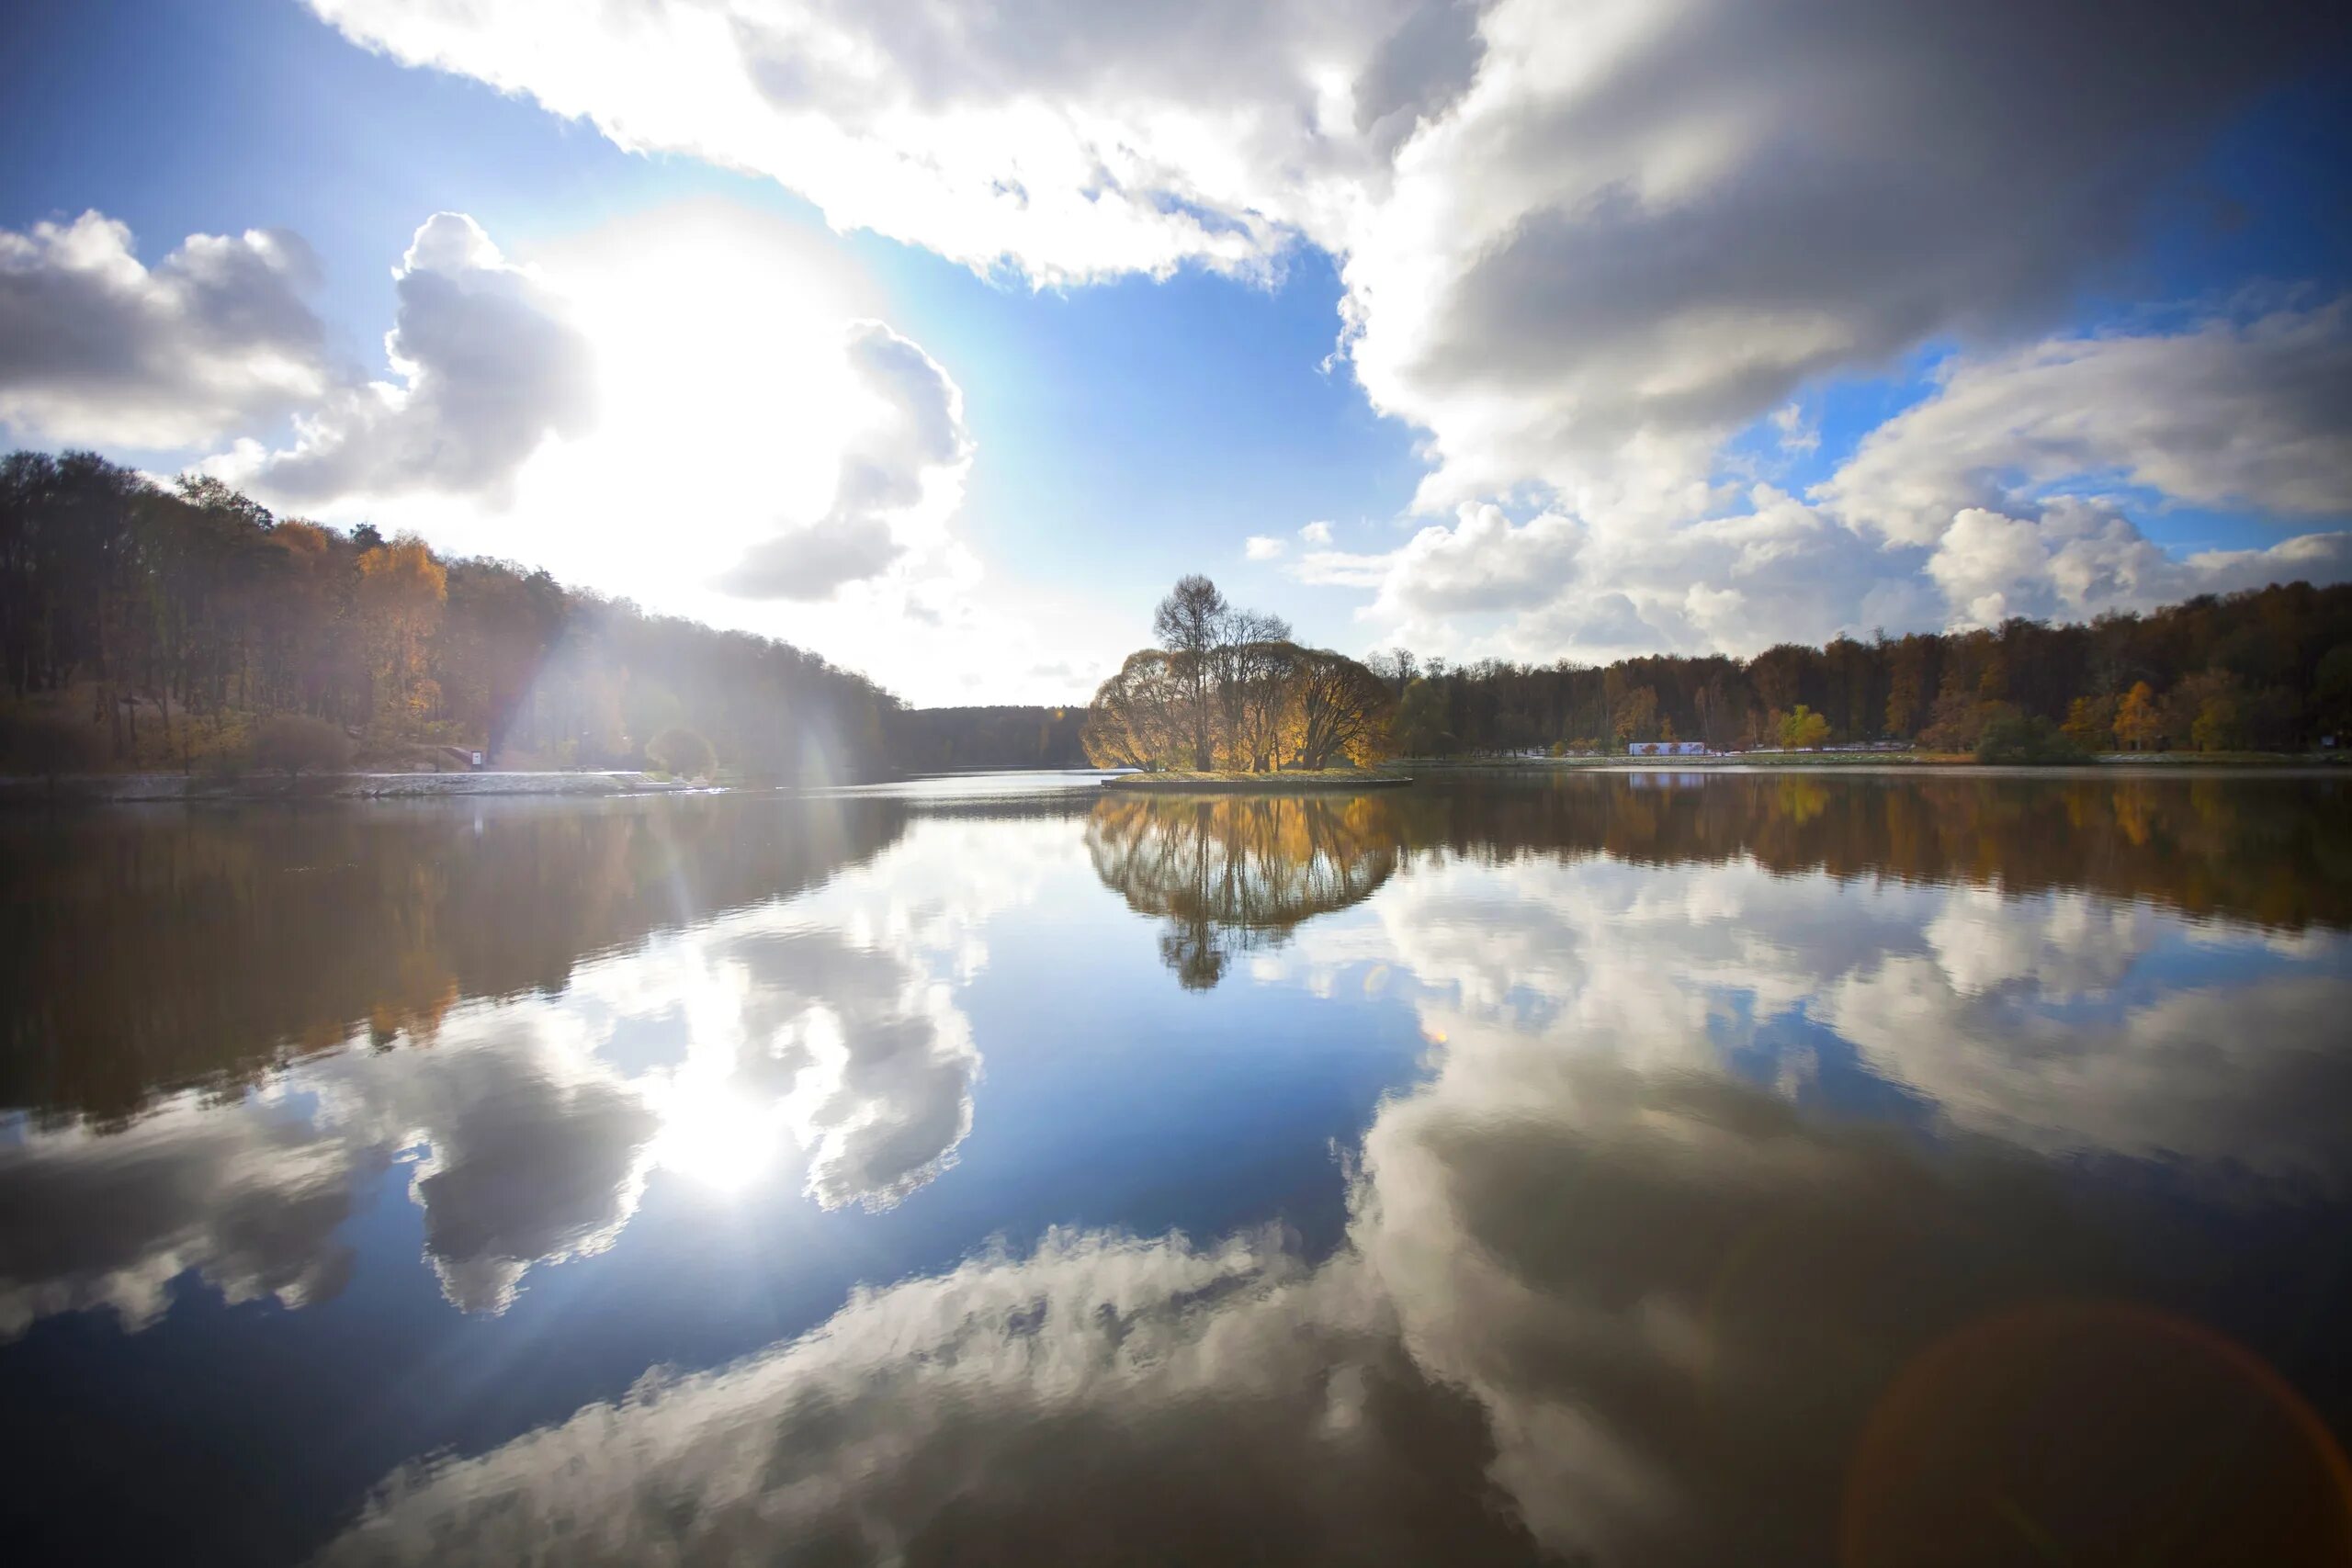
<point x="715" y="1137"/>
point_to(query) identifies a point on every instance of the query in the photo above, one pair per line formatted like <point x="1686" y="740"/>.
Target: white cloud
<point x="1071" y="141"/>
<point x="1554" y="587"/>
<point x="901" y="479"/>
<point x="1262" y="546"/>
<point x="108" y="1220"/>
<point x="694" y="407"/>
<point x="1644" y="229"/>
<point x="1483" y="562"/>
<point x="1781" y="571"/>
<point x="1799" y="435"/>
<point x="487" y="367"/>
<point x="1663" y="1360"/>
<point x="1578" y="249"/>
<point x="2226" y="414"/>
<point x="823" y="1028"/>
<point x="97" y="347"/>
<point x="2079" y="560"/>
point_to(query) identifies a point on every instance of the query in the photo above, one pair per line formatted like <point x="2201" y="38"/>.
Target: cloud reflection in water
<point x="1611" y="1289"/>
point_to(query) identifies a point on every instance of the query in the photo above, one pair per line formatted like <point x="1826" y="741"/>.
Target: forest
<point x="182" y="626"/>
<point x="1226" y="689"/>
<point x="145" y="627"/>
<point x="2268" y="670"/>
<point x="939" y="740"/>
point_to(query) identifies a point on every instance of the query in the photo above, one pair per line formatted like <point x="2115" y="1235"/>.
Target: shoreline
<point x="1258" y="784"/>
<point x="116" y="789"/>
<point x="2166" y="762"/>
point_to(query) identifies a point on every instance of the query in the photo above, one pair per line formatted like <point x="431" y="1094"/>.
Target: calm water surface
<point x="1624" y="1168"/>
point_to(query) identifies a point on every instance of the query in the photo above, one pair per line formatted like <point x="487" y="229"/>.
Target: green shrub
<point x="2016" y="738"/>
<point x="681" y="751"/>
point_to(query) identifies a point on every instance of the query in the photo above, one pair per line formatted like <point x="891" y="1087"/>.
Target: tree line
<point x="2264" y="670"/>
<point x="1231" y="873"/>
<point x="142" y="625"/>
<point x="1227" y="689"/>
<point x="938" y="740"/>
<point x="146" y="625"/>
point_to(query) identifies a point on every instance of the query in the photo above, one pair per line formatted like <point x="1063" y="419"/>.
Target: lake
<point x="1625" y="1168"/>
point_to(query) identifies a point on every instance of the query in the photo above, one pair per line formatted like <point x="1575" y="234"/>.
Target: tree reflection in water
<point x="1233" y="873"/>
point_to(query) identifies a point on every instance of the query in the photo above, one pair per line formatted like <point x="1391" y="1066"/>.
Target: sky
<point x="942" y="339"/>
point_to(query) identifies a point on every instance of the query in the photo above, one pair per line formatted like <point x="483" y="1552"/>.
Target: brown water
<point x="1627" y="1167"/>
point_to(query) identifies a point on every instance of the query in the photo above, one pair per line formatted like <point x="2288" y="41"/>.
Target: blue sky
<point x="1746" y="358"/>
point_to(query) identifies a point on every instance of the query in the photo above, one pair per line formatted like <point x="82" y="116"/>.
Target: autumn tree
<point x="1342" y="712"/>
<point x="2207" y="711"/>
<point x="402" y="591"/>
<point x="1635" y="717"/>
<point x="2139" y="722"/>
<point x="2090" y="723"/>
<point x="1190" y="624"/>
<point x="1802" y="730"/>
<point x="1140" y="716"/>
<point x="1249" y="667"/>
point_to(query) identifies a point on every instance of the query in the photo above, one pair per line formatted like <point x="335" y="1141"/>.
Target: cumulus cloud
<point x="904" y="471"/>
<point x="2079" y="559"/>
<point x="95" y="346"/>
<point x="1262" y="546"/>
<point x="1554" y="586"/>
<point x="1641" y="232"/>
<point x="1222" y="1402"/>
<point x="489" y="368"/>
<point x="2227" y="414"/>
<point x="823" y="1028"/>
<point x="1560" y="233"/>
<point x="1484" y="561"/>
<point x="2042" y="1020"/>
<point x="1318" y="533"/>
<point x="1069" y="140"/>
<point x="531" y="1155"/>
<point x="1577" y="251"/>
<point x="871" y="1064"/>
<point x="109" y="1220"/>
<point x="1598" y="1298"/>
<point x="1783" y="570"/>
<point x="828" y="453"/>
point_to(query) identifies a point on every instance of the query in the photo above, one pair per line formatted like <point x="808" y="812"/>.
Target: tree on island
<point x="1229" y="689"/>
